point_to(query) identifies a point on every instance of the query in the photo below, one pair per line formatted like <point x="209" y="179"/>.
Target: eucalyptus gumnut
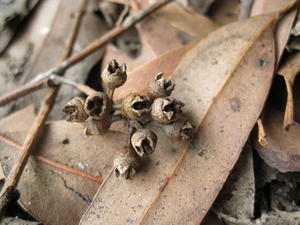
<point x="181" y="129"/>
<point x="126" y="163"/>
<point x="75" y="110"/>
<point x="165" y="110"/>
<point x="143" y="142"/>
<point x="114" y="75"/>
<point x="160" y="87"/>
<point x="98" y="105"/>
<point x="136" y="106"/>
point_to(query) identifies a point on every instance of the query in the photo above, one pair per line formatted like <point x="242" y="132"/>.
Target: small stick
<point x="14" y="175"/>
<point x="94" y="46"/>
<point x="80" y="87"/>
<point x="56" y="165"/>
<point x="129" y="22"/>
<point x="22" y="91"/>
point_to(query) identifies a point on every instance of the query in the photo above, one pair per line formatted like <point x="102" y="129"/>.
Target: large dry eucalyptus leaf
<point x="279" y="148"/>
<point x="56" y="196"/>
<point x="18" y="121"/>
<point x="224" y="81"/>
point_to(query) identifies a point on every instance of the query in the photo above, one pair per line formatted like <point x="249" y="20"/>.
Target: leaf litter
<point x="225" y="79"/>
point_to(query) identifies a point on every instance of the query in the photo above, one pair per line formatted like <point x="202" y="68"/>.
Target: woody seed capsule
<point x="114" y="75"/>
<point x="144" y="141"/>
<point x="75" y="110"/>
<point x="98" y="105"/>
<point x="136" y="107"/>
<point x="160" y="87"/>
<point x="165" y="110"/>
<point x="180" y="129"/>
<point x="126" y="163"/>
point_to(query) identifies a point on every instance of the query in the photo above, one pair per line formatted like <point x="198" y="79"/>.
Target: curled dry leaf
<point x="224" y="85"/>
<point x="289" y="71"/>
<point x="278" y="148"/>
<point x="284" y="27"/>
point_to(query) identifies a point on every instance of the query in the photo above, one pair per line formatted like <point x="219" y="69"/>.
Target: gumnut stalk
<point x="165" y="110"/>
<point x="98" y="105"/>
<point x="136" y="106"/>
<point x="75" y="110"/>
<point x="95" y="127"/>
<point x="126" y="163"/>
<point x="143" y="142"/>
<point x="181" y="129"/>
<point x="160" y="87"/>
<point x="114" y="75"/>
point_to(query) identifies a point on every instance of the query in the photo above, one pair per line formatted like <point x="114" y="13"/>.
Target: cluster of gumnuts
<point x="97" y="112"/>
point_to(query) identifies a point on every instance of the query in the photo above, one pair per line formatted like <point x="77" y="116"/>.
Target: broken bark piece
<point x="11" y="15"/>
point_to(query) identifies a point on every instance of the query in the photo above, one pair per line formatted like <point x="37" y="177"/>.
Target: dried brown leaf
<point x="138" y="78"/>
<point x="24" y="50"/>
<point x="278" y="148"/>
<point x="237" y="197"/>
<point x="289" y="71"/>
<point x="284" y="26"/>
<point x="225" y="12"/>
<point x="189" y="21"/>
<point x="11" y="15"/>
<point x="18" y="121"/>
<point x="56" y="196"/>
<point x="224" y="81"/>
<point x="174" y="24"/>
<point x="41" y="46"/>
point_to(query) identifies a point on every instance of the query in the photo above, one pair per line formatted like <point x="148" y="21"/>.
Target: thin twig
<point x="54" y="164"/>
<point x="57" y="80"/>
<point x="94" y="46"/>
<point x="36" y="129"/>
<point x="22" y="91"/>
